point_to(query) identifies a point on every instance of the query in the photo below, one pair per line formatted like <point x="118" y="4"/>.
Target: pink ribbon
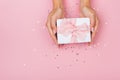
<point x="68" y="27"/>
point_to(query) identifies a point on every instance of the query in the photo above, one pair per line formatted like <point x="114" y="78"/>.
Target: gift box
<point x="73" y="30"/>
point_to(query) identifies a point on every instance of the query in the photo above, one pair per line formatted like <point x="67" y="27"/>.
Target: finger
<point x="97" y="23"/>
<point x="88" y="12"/>
<point x="51" y="32"/>
<point x="92" y="21"/>
<point x="92" y="24"/>
<point x="89" y="43"/>
<point x="52" y="35"/>
<point x="95" y="28"/>
<point x="48" y="20"/>
<point x="82" y="15"/>
<point x="53" y="24"/>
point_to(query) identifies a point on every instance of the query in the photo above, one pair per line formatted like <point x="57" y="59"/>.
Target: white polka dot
<point x="44" y="27"/>
<point x="104" y="45"/>
<point x="90" y="47"/>
<point x="94" y="45"/>
<point x="98" y="44"/>
<point x="98" y="54"/>
<point x="33" y="29"/>
<point x="106" y="22"/>
<point x="24" y="64"/>
<point x="34" y="49"/>
<point x="38" y="22"/>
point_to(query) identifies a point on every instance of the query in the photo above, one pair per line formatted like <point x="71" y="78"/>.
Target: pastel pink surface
<point x="28" y="53"/>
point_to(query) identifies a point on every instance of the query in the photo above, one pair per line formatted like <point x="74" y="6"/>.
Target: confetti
<point x="84" y="61"/>
<point x="58" y="67"/>
<point x="77" y="54"/>
<point x="76" y="60"/>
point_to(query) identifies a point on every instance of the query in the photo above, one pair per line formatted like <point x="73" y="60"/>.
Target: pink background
<point x="28" y="53"/>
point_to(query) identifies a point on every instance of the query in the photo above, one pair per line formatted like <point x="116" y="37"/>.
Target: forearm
<point x="57" y="4"/>
<point x="85" y="3"/>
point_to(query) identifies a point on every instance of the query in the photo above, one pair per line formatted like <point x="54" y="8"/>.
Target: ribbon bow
<point x="68" y="27"/>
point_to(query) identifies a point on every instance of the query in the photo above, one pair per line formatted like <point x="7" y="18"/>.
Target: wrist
<point x="84" y="7"/>
<point x="85" y="3"/>
<point x="57" y="4"/>
<point x="58" y="8"/>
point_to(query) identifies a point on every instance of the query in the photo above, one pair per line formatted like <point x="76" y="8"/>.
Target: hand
<point x="90" y="13"/>
<point x="52" y="21"/>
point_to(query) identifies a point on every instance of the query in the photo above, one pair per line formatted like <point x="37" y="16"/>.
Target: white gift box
<point x="73" y="30"/>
